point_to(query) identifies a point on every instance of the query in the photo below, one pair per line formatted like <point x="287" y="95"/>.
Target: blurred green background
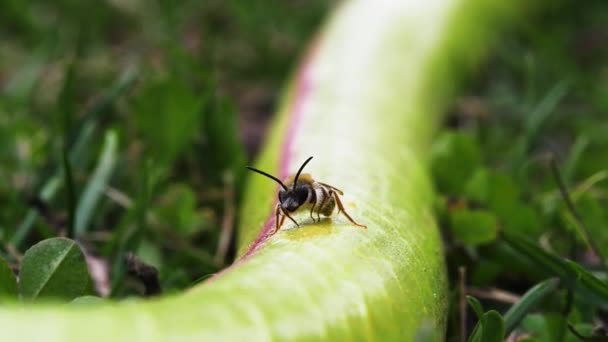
<point x="126" y="124"/>
<point x="156" y="105"/>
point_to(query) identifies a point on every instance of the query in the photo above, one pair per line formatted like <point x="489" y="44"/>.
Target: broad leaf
<point x="53" y="268"/>
<point x="454" y="158"/>
<point x="474" y="227"/>
<point x="489" y="328"/>
<point x="545" y="327"/>
<point x="493" y="327"/>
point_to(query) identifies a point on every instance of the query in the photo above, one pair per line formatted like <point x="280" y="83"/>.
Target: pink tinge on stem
<point x="303" y="89"/>
<point x="302" y="92"/>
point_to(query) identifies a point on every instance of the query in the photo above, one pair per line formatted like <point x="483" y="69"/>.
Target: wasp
<point x="301" y="192"/>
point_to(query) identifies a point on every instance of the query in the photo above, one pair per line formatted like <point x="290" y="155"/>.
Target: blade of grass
<point x="48" y="191"/>
<point x="8" y="281"/>
<point x="462" y="306"/>
<point x="129" y="238"/>
<point x="583" y="337"/>
<point x="544" y="109"/>
<point x="65" y="107"/>
<point x="571" y="274"/>
<point x="71" y="193"/>
<point x="96" y="186"/>
<point x="535" y="119"/>
<point x="476" y="306"/>
<point x="577" y="217"/>
<point x="82" y="137"/>
<point x="576" y="152"/>
<point x="529" y="300"/>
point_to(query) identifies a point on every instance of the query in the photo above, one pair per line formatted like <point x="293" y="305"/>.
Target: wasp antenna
<point x="295" y="180"/>
<point x="267" y="175"/>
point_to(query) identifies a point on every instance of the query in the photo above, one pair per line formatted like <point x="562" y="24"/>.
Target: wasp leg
<point x="341" y="209"/>
<point x="333" y="188"/>
<point x="325" y="197"/>
<point x="312" y="209"/>
<point x="278" y="219"/>
<point x="289" y="216"/>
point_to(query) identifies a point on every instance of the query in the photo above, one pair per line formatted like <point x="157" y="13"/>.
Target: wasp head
<point x="292" y="198"/>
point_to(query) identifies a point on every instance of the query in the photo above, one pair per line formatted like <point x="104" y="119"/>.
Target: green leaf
<point x="97" y="184"/>
<point x="178" y="210"/>
<point x="493" y="327"/>
<point x="131" y="231"/>
<point x="534" y="121"/>
<point x="65" y="111"/>
<point x="544" y="327"/>
<point x="527" y="302"/>
<point x="521" y="218"/>
<point x="168" y="114"/>
<point x="53" y="268"/>
<point x="476" y="306"/>
<point x="70" y="191"/>
<point x="8" y="283"/>
<point x="584" y="332"/>
<point x="596" y="221"/>
<point x="490" y="328"/>
<point x="454" y="158"/>
<point x="499" y="192"/>
<point x="574" y="156"/>
<point x="474" y="227"/>
<point x="486" y="271"/>
<point x="222" y="147"/>
<point x="591" y="289"/>
<point x="496" y="190"/>
<point x="77" y="149"/>
<point x="543" y="109"/>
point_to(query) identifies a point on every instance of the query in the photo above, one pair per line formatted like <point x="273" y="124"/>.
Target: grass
<point x="530" y="101"/>
<point x="181" y="93"/>
<point x="122" y="126"/>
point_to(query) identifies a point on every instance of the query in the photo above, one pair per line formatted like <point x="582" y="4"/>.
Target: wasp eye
<point x="302" y="194"/>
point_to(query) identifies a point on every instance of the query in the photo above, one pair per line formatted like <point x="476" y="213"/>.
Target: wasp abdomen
<point x="325" y="203"/>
